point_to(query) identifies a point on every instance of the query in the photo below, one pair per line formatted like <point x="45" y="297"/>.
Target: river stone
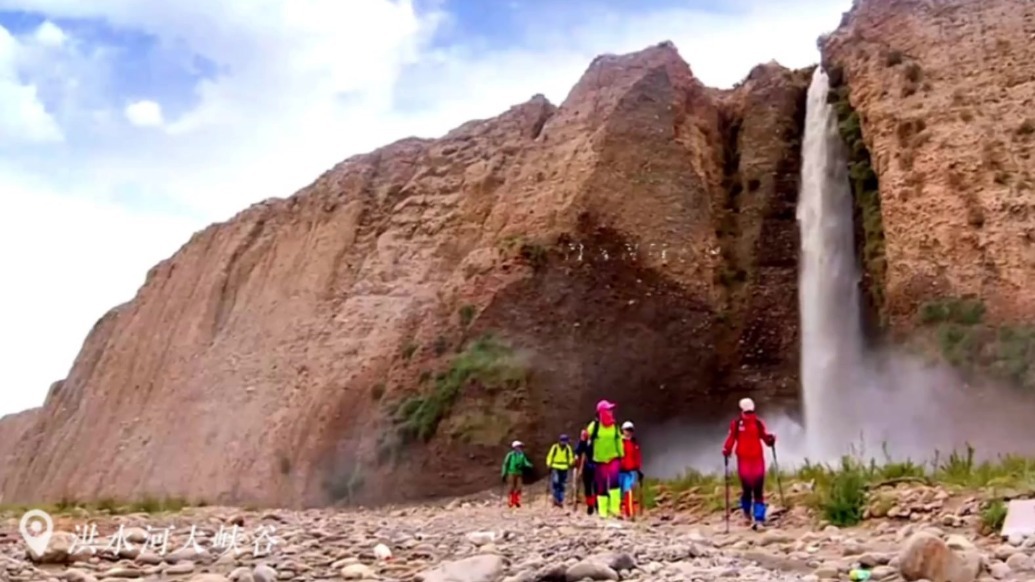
<point x="926" y="556"/>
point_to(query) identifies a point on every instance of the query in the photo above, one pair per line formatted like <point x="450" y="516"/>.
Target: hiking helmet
<point x="605" y="405"/>
<point x="627" y="425"/>
<point x="747" y="405"/>
<point x="564" y="438"/>
<point x="517" y="444"/>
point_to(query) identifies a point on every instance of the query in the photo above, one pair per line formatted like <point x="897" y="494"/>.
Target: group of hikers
<point x="608" y="461"/>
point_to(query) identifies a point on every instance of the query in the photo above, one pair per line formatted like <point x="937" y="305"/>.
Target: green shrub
<point x="843" y="500"/>
<point x="966" y="312"/>
<point x="993" y="515"/>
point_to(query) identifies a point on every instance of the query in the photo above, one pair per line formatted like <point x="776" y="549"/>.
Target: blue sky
<point x="127" y="125"/>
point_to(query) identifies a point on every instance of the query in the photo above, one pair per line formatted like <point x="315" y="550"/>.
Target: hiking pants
<point x="752" y="481"/>
<point x="589" y="484"/>
<point x="626" y="481"/>
<point x="558" y="480"/>
<point x="609" y="494"/>
<point x="514" y="481"/>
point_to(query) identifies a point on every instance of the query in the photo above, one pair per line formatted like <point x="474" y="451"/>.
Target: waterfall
<point x="832" y="350"/>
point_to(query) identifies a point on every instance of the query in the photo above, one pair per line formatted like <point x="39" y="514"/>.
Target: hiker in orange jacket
<point x="748" y="434"/>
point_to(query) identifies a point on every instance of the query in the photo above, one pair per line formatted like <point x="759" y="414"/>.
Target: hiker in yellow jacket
<point x="560" y="460"/>
<point x="607" y="450"/>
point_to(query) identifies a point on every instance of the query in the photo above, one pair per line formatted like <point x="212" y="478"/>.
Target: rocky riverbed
<point x="482" y="541"/>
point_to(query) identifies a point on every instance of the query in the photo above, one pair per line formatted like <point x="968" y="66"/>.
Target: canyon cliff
<point x="418" y="307"/>
<point x="936" y="101"/>
<point x="381" y="334"/>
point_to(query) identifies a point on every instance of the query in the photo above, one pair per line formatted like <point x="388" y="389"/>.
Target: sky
<point x="128" y="125"/>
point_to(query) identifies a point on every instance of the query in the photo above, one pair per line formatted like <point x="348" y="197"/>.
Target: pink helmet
<point x="605" y="405"/>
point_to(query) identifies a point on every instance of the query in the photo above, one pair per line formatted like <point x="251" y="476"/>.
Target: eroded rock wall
<point x="636" y="243"/>
<point x="944" y="92"/>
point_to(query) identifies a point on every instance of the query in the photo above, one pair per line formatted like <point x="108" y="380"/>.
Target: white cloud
<point x="49" y="34"/>
<point x="67" y="261"/>
<point x="144" y="113"/>
<point x="301" y="85"/>
<point x="23" y="118"/>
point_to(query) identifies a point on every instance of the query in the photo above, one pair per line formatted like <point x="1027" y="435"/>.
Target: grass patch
<point x="993" y="515"/>
<point x="843" y="493"/>
<point x="109" y="505"/>
<point x="486" y="360"/>
<point x="843" y="499"/>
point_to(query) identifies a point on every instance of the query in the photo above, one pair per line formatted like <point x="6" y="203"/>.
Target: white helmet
<point x="627" y="425"/>
<point x="747" y="404"/>
<point x="517" y="444"/>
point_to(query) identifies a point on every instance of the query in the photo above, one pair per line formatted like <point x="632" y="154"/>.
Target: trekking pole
<point x="575" y="489"/>
<point x="726" y="481"/>
<point x="640" y="508"/>
<point x="779" y="484"/>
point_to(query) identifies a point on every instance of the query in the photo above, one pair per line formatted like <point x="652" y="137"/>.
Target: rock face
<point x="12" y="428"/>
<point x="944" y="94"/>
<point x="378" y="335"/>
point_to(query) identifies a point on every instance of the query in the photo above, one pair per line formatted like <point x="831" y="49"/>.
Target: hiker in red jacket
<point x="630" y="468"/>
<point x="748" y="433"/>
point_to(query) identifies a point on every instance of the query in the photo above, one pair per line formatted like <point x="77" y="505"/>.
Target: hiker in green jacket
<point x="514" y="466"/>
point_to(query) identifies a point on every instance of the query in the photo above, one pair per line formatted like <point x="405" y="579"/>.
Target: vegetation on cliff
<point x="970" y="343"/>
<point x="865" y="195"/>
<point x="486" y="360"/>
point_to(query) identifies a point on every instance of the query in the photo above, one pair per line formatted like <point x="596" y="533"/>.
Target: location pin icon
<point x="36" y="528"/>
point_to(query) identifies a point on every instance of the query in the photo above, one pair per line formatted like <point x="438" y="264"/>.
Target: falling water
<point x="832" y="346"/>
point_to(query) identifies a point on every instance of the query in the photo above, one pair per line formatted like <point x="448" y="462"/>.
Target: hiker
<point x="606" y="445"/>
<point x="630" y="469"/>
<point x="560" y="460"/>
<point x="514" y="466"/>
<point x="748" y="433"/>
<point x="584" y="462"/>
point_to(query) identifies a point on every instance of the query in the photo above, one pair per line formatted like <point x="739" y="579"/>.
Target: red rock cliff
<point x="938" y="101"/>
<point x="944" y="92"/>
<point x="382" y="332"/>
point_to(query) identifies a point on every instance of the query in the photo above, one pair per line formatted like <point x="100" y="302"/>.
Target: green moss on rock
<point x="968" y="342"/>
<point x="865" y="195"/>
